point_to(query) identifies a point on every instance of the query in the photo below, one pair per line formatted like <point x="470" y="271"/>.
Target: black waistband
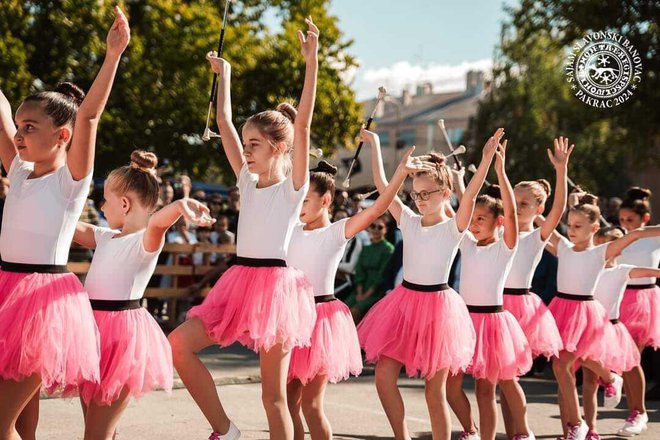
<point x="615" y="321"/>
<point x="260" y="262"/>
<point x="640" y="286"/>
<point x="425" y="287"/>
<point x="324" y="298"/>
<point x="508" y="291"/>
<point x="114" y="306"/>
<point x="485" y="309"/>
<point x="575" y="297"/>
<point x="33" y="268"/>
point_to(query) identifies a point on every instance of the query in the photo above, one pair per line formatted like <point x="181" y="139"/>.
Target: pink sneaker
<point x="232" y="434"/>
<point x="591" y="435"/>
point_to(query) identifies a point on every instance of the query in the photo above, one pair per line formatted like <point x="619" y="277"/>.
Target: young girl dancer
<point x="421" y="324"/>
<point x="502" y="352"/>
<point x="259" y="302"/>
<point x="135" y="354"/>
<point x="47" y="330"/>
<point x="316" y="248"/>
<point x="582" y="322"/>
<point x="640" y="309"/>
<point x="623" y="353"/>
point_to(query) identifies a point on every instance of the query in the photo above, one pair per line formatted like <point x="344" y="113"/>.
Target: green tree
<point x="532" y="99"/>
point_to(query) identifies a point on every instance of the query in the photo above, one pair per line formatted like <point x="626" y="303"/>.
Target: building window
<point x="384" y="138"/>
<point x="406" y="138"/>
<point x="455" y="135"/>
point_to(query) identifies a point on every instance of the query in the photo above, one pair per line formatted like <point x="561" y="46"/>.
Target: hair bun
<point x="545" y="186"/>
<point x="637" y="193"/>
<point x="71" y="91"/>
<point x="288" y="111"/>
<point x="493" y="191"/>
<point x="438" y="159"/>
<point x="325" y="167"/>
<point x="144" y="161"/>
<point x="588" y="199"/>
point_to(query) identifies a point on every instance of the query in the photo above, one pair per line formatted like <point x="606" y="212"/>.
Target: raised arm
<point x="302" y="125"/>
<point x="231" y="142"/>
<point x="553" y="241"/>
<point x="159" y="223"/>
<point x="80" y="158"/>
<point x="508" y="202"/>
<point x="615" y="247"/>
<point x="363" y="219"/>
<point x="560" y="161"/>
<point x="84" y="235"/>
<point x="644" y="272"/>
<point x="7" y="132"/>
<point x="464" y="212"/>
<point x="378" y="170"/>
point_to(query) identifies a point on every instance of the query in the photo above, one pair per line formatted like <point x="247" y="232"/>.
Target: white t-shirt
<point x="528" y="255"/>
<point x="610" y="287"/>
<point x="268" y="216"/>
<point x="41" y="214"/>
<point x="428" y="251"/>
<point x="642" y="253"/>
<point x="578" y="272"/>
<point x="121" y="267"/>
<point x="317" y="254"/>
<point x="483" y="271"/>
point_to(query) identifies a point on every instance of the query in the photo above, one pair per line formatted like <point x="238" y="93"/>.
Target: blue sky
<point x="400" y="43"/>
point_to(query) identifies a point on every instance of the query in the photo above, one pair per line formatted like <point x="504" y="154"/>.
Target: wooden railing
<point x="175" y="271"/>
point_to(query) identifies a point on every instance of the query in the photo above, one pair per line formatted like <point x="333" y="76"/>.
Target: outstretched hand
<point x="309" y="44"/>
<point x="562" y="152"/>
<point x="119" y="34"/>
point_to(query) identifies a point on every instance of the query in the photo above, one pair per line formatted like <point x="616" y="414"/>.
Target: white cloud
<point x="444" y="77"/>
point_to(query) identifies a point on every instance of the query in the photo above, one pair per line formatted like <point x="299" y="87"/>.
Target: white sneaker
<point x="613" y="392"/>
<point x="635" y="424"/>
<point x="577" y="432"/>
<point x="232" y="434"/>
<point x="529" y="436"/>
<point x="469" y="436"/>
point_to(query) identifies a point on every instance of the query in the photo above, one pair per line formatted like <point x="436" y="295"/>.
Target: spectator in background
<point x="199" y="195"/>
<point x="369" y="271"/>
<point x="611" y="211"/>
<point x="166" y="193"/>
<point x="222" y="234"/>
<point x="233" y="208"/>
<point x="340" y="201"/>
<point x="215" y="202"/>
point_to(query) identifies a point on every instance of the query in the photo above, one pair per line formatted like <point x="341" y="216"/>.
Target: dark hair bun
<point x="145" y="160"/>
<point x="288" y="111"/>
<point x="546" y="186"/>
<point x="437" y="158"/>
<point x="325" y="167"/>
<point x="71" y="91"/>
<point x="637" y="193"/>
<point x="493" y="191"/>
<point x="588" y="199"/>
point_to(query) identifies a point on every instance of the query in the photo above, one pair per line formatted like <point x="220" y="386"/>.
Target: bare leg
<point x="26" y="425"/>
<point x="459" y="403"/>
<point x="101" y="420"/>
<point x="274" y="365"/>
<point x="312" y="406"/>
<point x="14" y="397"/>
<point x="186" y="341"/>
<point x="507" y="416"/>
<point x="635" y="388"/>
<point x="589" y="397"/>
<point x="294" y="401"/>
<point x="515" y="397"/>
<point x="387" y="376"/>
<point x="563" y="369"/>
<point x="436" y="401"/>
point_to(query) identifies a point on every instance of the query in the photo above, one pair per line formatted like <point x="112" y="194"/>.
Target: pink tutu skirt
<point x="259" y="307"/>
<point x="502" y="351"/>
<point x="537" y="323"/>
<point x="335" y="350"/>
<point x="425" y="331"/>
<point x="47" y="328"/>
<point x="135" y="355"/>
<point x="622" y="352"/>
<point x="640" y="312"/>
<point x="582" y="326"/>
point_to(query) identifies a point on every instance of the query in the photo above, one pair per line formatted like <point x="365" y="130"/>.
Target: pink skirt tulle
<point x="47" y="328"/>
<point x="259" y="307"/>
<point x="537" y="323"/>
<point x="582" y="326"/>
<point x="335" y="349"/>
<point x="425" y="331"/>
<point x="623" y="354"/>
<point x="640" y="312"/>
<point x="135" y="355"/>
<point x="502" y="351"/>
